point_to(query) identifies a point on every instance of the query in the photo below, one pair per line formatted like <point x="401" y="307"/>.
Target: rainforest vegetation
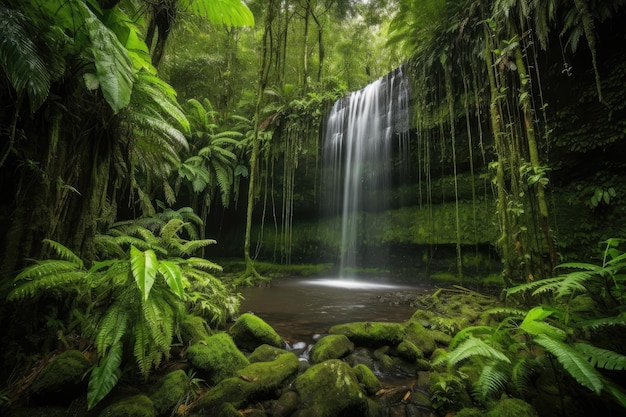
<point x="157" y="155"/>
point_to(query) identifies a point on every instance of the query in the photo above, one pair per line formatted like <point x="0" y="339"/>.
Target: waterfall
<point x="365" y="142"/>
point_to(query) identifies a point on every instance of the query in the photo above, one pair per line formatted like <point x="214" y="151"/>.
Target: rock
<point x="135" y="406"/>
<point x="257" y="380"/>
<point x="193" y="329"/>
<point x="217" y="357"/>
<point x="331" y="389"/>
<point x="512" y="407"/>
<point x="367" y="379"/>
<point x="61" y="380"/>
<point x="407" y="350"/>
<point x="371" y="333"/>
<point x="250" y="332"/>
<point x="169" y="392"/>
<point x="285" y="405"/>
<point x="420" y="337"/>
<point x="333" y="346"/>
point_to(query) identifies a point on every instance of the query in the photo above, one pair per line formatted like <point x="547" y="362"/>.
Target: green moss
<point x="250" y="331"/>
<point x="512" y="407"/>
<point x="193" y="329"/>
<point x="169" y="391"/>
<point x="217" y="357"/>
<point x="266" y="353"/>
<point x="407" y="350"/>
<point x="64" y="373"/>
<point x="259" y="380"/>
<point x="228" y="410"/>
<point x="367" y="379"/>
<point x="448" y="393"/>
<point x="469" y="412"/>
<point x="420" y="337"/>
<point x="135" y="406"/>
<point x="330" y="389"/>
<point x="333" y="346"/>
<point x="371" y="333"/>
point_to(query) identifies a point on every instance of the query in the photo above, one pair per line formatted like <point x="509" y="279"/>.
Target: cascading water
<point x="360" y="154"/>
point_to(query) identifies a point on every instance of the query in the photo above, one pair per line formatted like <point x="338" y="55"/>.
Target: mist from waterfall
<point x="366" y="141"/>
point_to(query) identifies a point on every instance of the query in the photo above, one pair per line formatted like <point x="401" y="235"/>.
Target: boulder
<point x="216" y="357"/>
<point x="420" y="337"/>
<point x="371" y="333"/>
<point x="61" y="380"/>
<point x="138" y="405"/>
<point x="333" y="346"/>
<point x="367" y="379"/>
<point x="258" y="380"/>
<point x="250" y="332"/>
<point x="512" y="407"/>
<point x="169" y="392"/>
<point x="331" y="389"/>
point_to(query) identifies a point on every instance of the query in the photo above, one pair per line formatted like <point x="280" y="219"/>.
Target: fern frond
<point x="64" y="280"/>
<point x="475" y="347"/>
<point x="522" y="372"/>
<point x="492" y="381"/>
<point x="104" y="377"/>
<point x="64" y="253"/>
<point x="112" y="327"/>
<point x="142" y="348"/>
<point x="602" y="322"/>
<point x="573" y="362"/>
<point x="602" y="358"/>
<point x="193" y="245"/>
<point x="159" y="320"/>
<point x="203" y="264"/>
<point x="171" y="228"/>
<point x="472" y="331"/>
<point x="531" y="286"/>
<point x="144" y="267"/>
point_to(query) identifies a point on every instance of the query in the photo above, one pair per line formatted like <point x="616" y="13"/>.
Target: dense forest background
<point x="134" y="133"/>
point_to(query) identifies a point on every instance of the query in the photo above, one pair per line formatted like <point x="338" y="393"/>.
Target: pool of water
<point x="301" y="310"/>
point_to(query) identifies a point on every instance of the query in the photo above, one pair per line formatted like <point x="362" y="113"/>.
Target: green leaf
<point x="173" y="276"/>
<point x="602" y="358"/>
<point x="226" y="12"/>
<point x="144" y="267"/>
<point x="104" y="377"/>
<point x="573" y="362"/>
<point x="475" y="347"/>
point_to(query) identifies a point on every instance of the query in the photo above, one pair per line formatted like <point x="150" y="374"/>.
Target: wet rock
<point x="419" y="336"/>
<point x="407" y="350"/>
<point x="250" y="332"/>
<point x="371" y="333"/>
<point x="330" y="389"/>
<point x="169" y="392"/>
<point x="135" y="406"/>
<point x="217" y="357"/>
<point x="257" y="380"/>
<point x="61" y="380"/>
<point x="334" y="346"/>
<point x="367" y="379"/>
<point x="285" y="405"/>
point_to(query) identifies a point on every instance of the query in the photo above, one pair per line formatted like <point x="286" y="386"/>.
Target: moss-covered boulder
<point x="333" y="346"/>
<point x="61" y="380"/>
<point x="367" y="379"/>
<point x="512" y="407"/>
<point x="256" y="382"/>
<point x="371" y="333"/>
<point x="250" y="332"/>
<point x="420" y="337"/>
<point x="169" y="391"/>
<point x="138" y="405"/>
<point x="285" y="405"/>
<point x="193" y="329"/>
<point x="407" y="350"/>
<point x="217" y="357"/>
<point x="331" y="389"/>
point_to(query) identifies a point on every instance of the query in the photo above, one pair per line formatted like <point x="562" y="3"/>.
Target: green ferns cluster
<point x="573" y="332"/>
<point x="136" y="294"/>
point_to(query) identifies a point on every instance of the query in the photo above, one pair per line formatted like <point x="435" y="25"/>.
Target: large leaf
<point x="114" y="68"/>
<point x="144" y="267"/>
<point x="104" y="377"/>
<point x="227" y="12"/>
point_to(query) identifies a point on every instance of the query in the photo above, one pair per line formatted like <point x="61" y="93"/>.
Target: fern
<point x="573" y="362"/>
<point x="475" y="347"/>
<point x="112" y="327"/>
<point x="521" y="373"/>
<point x="468" y="332"/>
<point x="104" y="377"/>
<point x="602" y="358"/>
<point x="144" y="267"/>
<point x="492" y="381"/>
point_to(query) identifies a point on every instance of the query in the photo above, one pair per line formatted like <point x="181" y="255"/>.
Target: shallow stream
<point x="301" y="310"/>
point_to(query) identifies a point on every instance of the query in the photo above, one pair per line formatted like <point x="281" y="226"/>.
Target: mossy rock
<point x="139" y="405"/>
<point x="469" y="412"/>
<point x="256" y="382"/>
<point x="169" y="391"/>
<point x="367" y="379"/>
<point x="407" y="350"/>
<point x="371" y="333"/>
<point x="61" y="380"/>
<point x="420" y="337"/>
<point x="228" y="410"/>
<point x="512" y="407"/>
<point x="333" y="346"/>
<point x="217" y="358"/>
<point x="285" y="405"/>
<point x="193" y="329"/>
<point x="250" y="332"/>
<point x="331" y="389"/>
<point x="266" y="353"/>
